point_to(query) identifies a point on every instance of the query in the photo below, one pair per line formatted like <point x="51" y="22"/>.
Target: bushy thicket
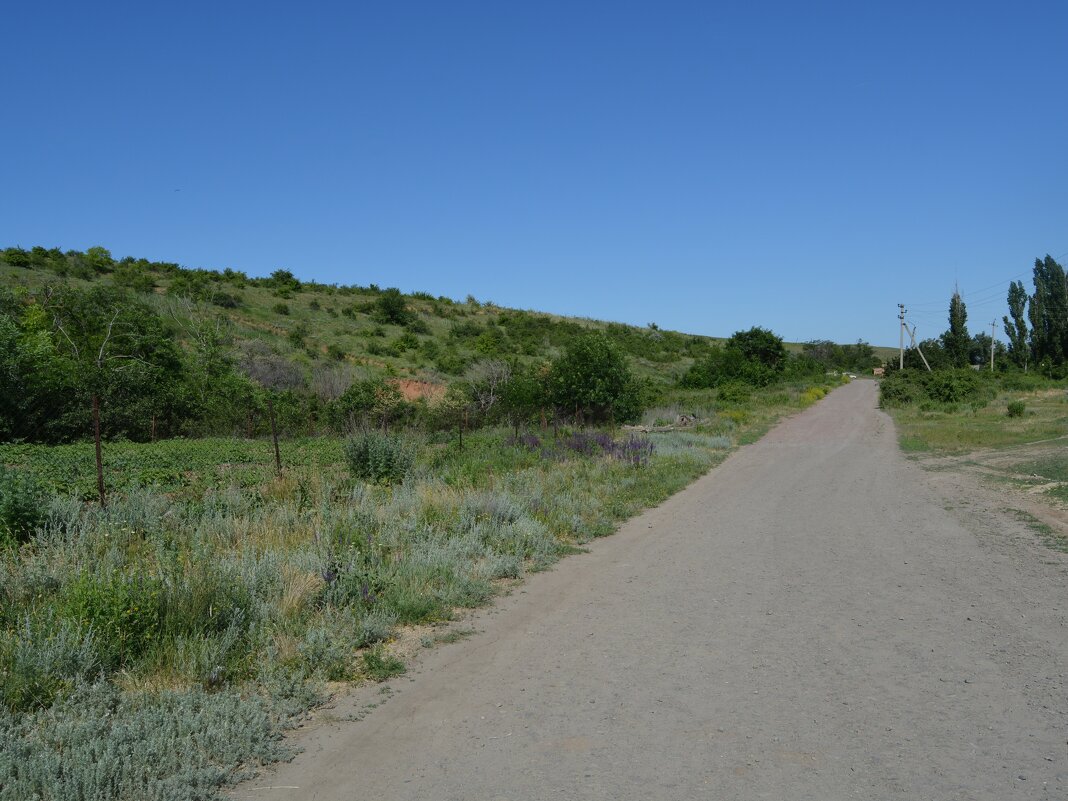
<point x="750" y="359"/>
<point x="592" y="382"/>
<point x="857" y="358"/>
<point x="939" y="387"/>
<point x="62" y="346"/>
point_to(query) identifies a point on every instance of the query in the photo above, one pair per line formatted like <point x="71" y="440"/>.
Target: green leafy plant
<point x="379" y="457"/>
<point x="122" y="612"/>
<point x="1015" y="408"/>
<point x="21" y="506"/>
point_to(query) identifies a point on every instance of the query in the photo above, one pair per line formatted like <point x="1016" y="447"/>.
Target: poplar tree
<point x="1049" y="312"/>
<point x="1016" y="325"/>
<point x="956" y="340"/>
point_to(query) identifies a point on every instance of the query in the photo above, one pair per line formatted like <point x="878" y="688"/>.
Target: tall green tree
<point x="523" y="396"/>
<point x="593" y="382"/>
<point x="759" y="345"/>
<point x="1016" y="325"/>
<point x="956" y="341"/>
<point x="756" y="357"/>
<point x="34" y="379"/>
<point x="119" y="353"/>
<point x="1048" y="313"/>
<point x="99" y="258"/>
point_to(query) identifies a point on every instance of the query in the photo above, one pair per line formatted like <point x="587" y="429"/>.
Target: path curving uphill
<point x="811" y="620"/>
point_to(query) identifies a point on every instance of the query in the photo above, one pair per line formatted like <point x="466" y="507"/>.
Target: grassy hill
<point x="415" y="336"/>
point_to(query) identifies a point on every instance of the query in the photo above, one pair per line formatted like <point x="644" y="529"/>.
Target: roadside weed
<point x="379" y="665"/>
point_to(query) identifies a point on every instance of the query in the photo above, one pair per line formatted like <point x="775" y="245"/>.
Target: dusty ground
<point x="818" y="618"/>
<point x="1006" y="476"/>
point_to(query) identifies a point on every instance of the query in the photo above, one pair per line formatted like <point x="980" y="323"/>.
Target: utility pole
<point x="915" y="344"/>
<point x="993" y="332"/>
<point x="901" y="338"/>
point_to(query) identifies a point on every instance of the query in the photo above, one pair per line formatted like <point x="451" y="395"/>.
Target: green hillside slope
<point x="415" y="336"/>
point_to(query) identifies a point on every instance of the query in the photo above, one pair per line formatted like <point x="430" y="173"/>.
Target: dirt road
<point x="811" y="620"/>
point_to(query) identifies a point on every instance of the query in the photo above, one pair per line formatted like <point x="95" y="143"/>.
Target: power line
<point x="977" y="296"/>
<point x="972" y="297"/>
<point x="932" y="311"/>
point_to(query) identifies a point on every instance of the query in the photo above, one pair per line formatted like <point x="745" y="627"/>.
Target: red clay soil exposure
<point x="414" y="390"/>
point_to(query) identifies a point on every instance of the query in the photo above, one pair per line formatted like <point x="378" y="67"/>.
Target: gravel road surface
<point x="817" y="618"/>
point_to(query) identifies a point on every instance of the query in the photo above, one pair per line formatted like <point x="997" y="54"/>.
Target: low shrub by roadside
<point x="940" y="387"/>
<point x="379" y="457"/>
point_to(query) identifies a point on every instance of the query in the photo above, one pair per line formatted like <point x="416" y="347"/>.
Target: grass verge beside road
<point x="963" y="428"/>
<point x="1018" y="440"/>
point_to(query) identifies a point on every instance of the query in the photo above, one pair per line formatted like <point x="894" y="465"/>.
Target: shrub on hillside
<point x="417" y="325"/>
<point x="1015" y="408"/>
<point x="759" y="345"/>
<point x="391" y="308"/>
<point x="366" y="401"/>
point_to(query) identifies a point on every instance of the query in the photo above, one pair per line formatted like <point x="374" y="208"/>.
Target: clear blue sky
<point x="706" y="166"/>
